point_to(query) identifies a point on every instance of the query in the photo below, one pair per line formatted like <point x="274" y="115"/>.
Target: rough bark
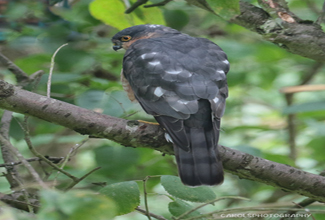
<point x="277" y="24"/>
<point x="136" y="134"/>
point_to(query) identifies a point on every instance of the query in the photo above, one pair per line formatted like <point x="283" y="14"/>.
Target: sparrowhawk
<point x="181" y="81"/>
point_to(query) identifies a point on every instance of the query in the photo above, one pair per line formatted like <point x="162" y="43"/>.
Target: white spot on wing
<point x="221" y="71"/>
<point x="173" y="72"/>
<point x="154" y="63"/>
<point x="143" y="56"/>
<point x="153" y="25"/>
<point x="158" y="92"/>
<point x="226" y="61"/>
<point x="168" y="138"/>
<point x="215" y="100"/>
<point x="182" y="102"/>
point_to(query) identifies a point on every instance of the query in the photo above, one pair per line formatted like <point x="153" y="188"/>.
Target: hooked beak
<point x="117" y="45"/>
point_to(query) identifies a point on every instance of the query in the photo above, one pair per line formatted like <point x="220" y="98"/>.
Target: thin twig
<point x="151" y="214"/>
<point x="163" y="3"/>
<point x="80" y="179"/>
<point x="311" y="73"/>
<point x="307" y="210"/>
<point x="135" y="6"/>
<point x="12" y="172"/>
<point x="5" y="124"/>
<point x="23" y="160"/>
<point x="77" y="146"/>
<point x="52" y="159"/>
<point x="289" y="95"/>
<point x="51" y="71"/>
<point x="35" y="78"/>
<point x="69" y="155"/>
<point x="118" y="102"/>
<point x="6" y="199"/>
<point x="302" y="88"/>
<point x="19" y="73"/>
<point x="142" y="2"/>
<point x="26" y="198"/>
<point x="291" y="128"/>
<point x="313" y="7"/>
<point x="321" y="17"/>
<point x="131" y="114"/>
<point x="31" y="148"/>
<point x="146" y="196"/>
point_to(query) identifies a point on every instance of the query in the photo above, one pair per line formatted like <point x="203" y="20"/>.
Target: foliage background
<point x="87" y="74"/>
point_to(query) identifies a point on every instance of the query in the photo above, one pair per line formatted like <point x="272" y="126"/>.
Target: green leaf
<point x="176" y="19"/>
<point x="33" y="63"/>
<point x="175" y="187"/>
<point x="112" y="13"/>
<point x="125" y="194"/>
<point x="178" y="207"/>
<point x="317" y="148"/>
<point x="226" y="9"/>
<point x="75" y="205"/>
<point x="305" y="107"/>
<point x="151" y="15"/>
<point x="116" y="160"/>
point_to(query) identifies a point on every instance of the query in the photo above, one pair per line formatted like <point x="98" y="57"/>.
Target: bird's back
<point x="181" y="81"/>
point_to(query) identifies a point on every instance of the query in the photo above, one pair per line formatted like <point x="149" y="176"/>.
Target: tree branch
<point x="135" y="5"/>
<point x="305" y="38"/>
<point x="29" y="167"/>
<point x="321" y="17"/>
<point x="136" y="134"/>
<point x="275" y="23"/>
<point x="12" y="174"/>
<point x="151" y="214"/>
<point x="19" y="73"/>
<point x="53" y="159"/>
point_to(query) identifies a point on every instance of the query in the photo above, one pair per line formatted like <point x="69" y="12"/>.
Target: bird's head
<point x="126" y="37"/>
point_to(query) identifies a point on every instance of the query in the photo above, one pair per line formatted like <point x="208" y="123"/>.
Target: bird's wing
<point x="170" y="75"/>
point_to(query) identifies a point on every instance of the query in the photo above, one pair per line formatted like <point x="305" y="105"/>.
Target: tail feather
<point x="186" y="168"/>
<point x="195" y="141"/>
<point x="199" y="166"/>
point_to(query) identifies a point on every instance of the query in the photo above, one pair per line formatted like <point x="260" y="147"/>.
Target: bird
<point x="181" y="81"/>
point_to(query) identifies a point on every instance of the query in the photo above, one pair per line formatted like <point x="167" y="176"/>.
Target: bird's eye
<point x="126" y="38"/>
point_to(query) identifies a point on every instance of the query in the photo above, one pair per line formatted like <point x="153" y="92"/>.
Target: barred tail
<point x="201" y="165"/>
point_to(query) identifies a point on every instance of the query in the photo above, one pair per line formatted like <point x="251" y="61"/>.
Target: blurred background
<point x="260" y="119"/>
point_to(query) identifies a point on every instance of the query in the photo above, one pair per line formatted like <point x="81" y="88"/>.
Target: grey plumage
<point x="181" y="81"/>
